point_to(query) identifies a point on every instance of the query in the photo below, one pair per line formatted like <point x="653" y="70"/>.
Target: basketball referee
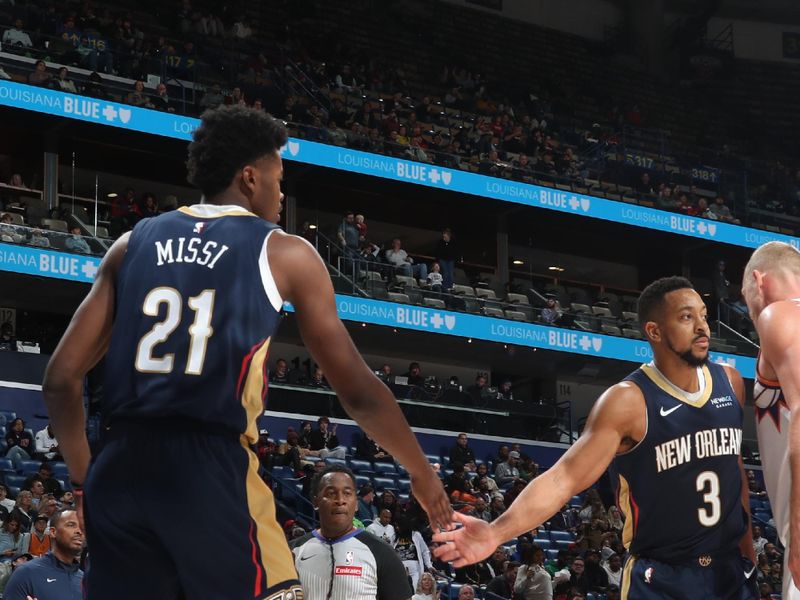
<point x="339" y="561"/>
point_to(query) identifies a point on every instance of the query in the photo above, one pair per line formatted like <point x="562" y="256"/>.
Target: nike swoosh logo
<point x="747" y="574"/>
<point x="664" y="413"/>
<point x="306" y="557"/>
<point x="50" y="580"/>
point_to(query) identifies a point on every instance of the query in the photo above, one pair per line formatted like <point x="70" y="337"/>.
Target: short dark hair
<point x="229" y="137"/>
<point x="317" y="479"/>
<point x="59" y="514"/>
<point x="652" y="298"/>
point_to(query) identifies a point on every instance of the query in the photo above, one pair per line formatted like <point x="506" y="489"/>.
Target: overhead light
<point x="555" y="268"/>
<point x="517" y="261"/>
<point x="312" y="226"/>
<point x="469" y="341"/>
<point x="111" y="195"/>
<point x="363" y="324"/>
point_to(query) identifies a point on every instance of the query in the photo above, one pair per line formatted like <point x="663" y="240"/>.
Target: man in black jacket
<point x="462" y="453"/>
<point x="323" y="440"/>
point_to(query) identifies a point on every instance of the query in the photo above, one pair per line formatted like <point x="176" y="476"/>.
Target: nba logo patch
<point x="648" y="575"/>
<point x="348" y="558"/>
<point x="198" y="227"/>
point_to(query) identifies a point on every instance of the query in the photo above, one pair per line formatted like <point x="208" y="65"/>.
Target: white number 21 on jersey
<point x="199" y="331"/>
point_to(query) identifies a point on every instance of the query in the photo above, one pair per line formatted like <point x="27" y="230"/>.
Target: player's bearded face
<point x="688" y="352"/>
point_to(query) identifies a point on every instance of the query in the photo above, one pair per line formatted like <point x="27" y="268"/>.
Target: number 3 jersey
<point x="196" y="308"/>
<point x="680" y="487"/>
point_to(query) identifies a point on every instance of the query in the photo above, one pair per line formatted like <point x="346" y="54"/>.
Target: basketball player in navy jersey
<point x="184" y="309"/>
<point x="672" y="433"/>
<point x="771" y="287"/>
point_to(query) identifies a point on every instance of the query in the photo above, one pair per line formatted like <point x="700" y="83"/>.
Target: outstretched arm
<point x="303" y="280"/>
<point x="83" y="344"/>
<point x="618" y="416"/>
<point x="779" y="331"/>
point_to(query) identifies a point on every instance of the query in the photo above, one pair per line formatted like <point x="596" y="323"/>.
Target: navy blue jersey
<point x="680" y="487"/>
<point x="196" y="307"/>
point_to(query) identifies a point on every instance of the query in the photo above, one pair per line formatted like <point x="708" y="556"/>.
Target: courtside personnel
<point x="673" y="430"/>
<point x="184" y="308"/>
<point x="771" y="287"/>
<point x="339" y="561"/>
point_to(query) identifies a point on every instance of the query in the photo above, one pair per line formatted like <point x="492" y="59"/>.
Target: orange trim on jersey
<point x="273" y="560"/>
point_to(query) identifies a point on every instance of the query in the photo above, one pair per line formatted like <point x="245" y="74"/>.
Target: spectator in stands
<point x="56" y="575"/>
<point x="497" y="506"/>
<point x="615" y="522"/>
<point x="577" y="579"/>
<point x="412" y="550"/>
<point x="212" y="98"/>
<point x="478" y="391"/>
<point x="137" y="96"/>
<point x="775" y="578"/>
<point x="514" y="492"/>
<point x="758" y="540"/>
<point x="39" y="76"/>
<point x="596" y="577"/>
<point x="383" y="528"/>
<point x="241" y="29"/>
<point x="6" y="503"/>
<point x="387" y="499"/>
<point x="23" y="510"/>
<point x="467" y="592"/>
<point x="482" y="472"/>
<point x="704" y="211"/>
<point x="404" y="264"/>
<point x="13" y="540"/>
<point x="476" y="574"/>
<point x="552" y="312"/>
<point x="76" y="242"/>
<point x="50" y="484"/>
<point x="324" y="442"/>
<point x="39" y="239"/>
<point x="281" y="372"/>
<point x="502" y="585"/>
<point x="63" y="83"/>
<point x="361" y="225"/>
<point x="528" y="469"/>
<point x="39" y="540"/>
<point x="366" y="511"/>
<point x="48" y="506"/>
<point x="644" y="185"/>
<point x="8" y="231"/>
<point x="414" y="374"/>
<point x="592" y="507"/>
<point x="426" y="588"/>
<point x="8" y="342"/>
<point x="318" y="379"/>
<point x="36" y="487"/>
<point x="435" y="278"/>
<point x="236" y="97"/>
<point x="461" y="453"/>
<point x="504" y="392"/>
<point x="8" y="567"/>
<point x="149" y="205"/>
<point x="614" y="570"/>
<point x="348" y="234"/>
<point x="161" y="99"/>
<point x="368" y="449"/>
<point x="532" y="582"/>
<point x="15" y="38"/>
<point x="506" y="473"/>
<point x="722" y="212"/>
<point x="19" y="442"/>
<point x="67" y="499"/>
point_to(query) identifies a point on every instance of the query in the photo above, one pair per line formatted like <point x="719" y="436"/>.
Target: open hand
<point x="474" y="541"/>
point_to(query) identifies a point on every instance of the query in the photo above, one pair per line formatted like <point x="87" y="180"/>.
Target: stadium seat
<point x="6" y="466"/>
<point x="559" y="536"/>
<point x="15" y="480"/>
<point x="552" y="553"/>
<point x="283" y="472"/>
<point x="564" y="544"/>
<point x="401" y="298"/>
<point x="404" y="485"/>
<point x="362" y="480"/>
<point x="13" y="490"/>
<point x="433" y="458"/>
<point x="455" y="588"/>
<point x="385" y="468"/>
<point x="9" y="415"/>
<point x="29" y="466"/>
<point x="336" y="461"/>
<point x="384" y="483"/>
<point x="543" y="543"/>
<point x="60" y="469"/>
<point x="360" y="466"/>
<point x="433" y="303"/>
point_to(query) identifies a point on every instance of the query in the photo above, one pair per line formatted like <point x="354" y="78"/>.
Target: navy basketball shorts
<point x="729" y="577"/>
<point x="177" y="513"/>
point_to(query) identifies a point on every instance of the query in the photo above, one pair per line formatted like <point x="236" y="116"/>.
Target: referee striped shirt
<point x="356" y="566"/>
